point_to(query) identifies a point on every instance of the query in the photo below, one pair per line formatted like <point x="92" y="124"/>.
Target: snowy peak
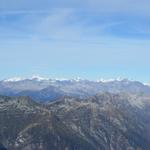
<point x="39" y="78"/>
<point x="17" y="79"/>
<point x="119" y="79"/>
<point x="14" y="79"/>
<point x="74" y="80"/>
<point x="41" y="88"/>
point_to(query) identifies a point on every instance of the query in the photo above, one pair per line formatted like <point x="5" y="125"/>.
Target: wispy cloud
<point x="72" y="20"/>
<point x="122" y="6"/>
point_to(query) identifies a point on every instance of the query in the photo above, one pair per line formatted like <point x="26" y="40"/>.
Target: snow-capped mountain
<point x="17" y="79"/>
<point x="41" y="88"/>
<point x="39" y="78"/>
<point x="112" y="114"/>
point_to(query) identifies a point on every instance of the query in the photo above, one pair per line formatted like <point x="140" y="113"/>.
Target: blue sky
<point x="66" y="38"/>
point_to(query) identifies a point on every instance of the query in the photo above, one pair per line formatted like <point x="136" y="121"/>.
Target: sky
<point x="90" y="39"/>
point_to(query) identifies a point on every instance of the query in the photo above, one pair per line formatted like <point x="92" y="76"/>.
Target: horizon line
<point x="77" y="78"/>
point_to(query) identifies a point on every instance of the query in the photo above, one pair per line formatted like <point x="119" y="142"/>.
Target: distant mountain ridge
<point x="46" y="89"/>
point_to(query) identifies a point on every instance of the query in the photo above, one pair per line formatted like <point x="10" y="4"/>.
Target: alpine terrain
<point x="74" y="115"/>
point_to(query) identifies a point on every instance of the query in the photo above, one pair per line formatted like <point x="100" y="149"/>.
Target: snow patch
<point x="111" y="80"/>
<point x="146" y="84"/>
<point x="14" y="79"/>
<point x="38" y="78"/>
<point x="17" y="79"/>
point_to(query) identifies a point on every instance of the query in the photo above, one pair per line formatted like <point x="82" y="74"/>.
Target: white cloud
<point x="60" y="24"/>
<point x="75" y="20"/>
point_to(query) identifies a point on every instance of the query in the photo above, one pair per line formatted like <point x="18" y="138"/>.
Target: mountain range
<point x="61" y="114"/>
<point x="102" y="122"/>
<point x="44" y="89"/>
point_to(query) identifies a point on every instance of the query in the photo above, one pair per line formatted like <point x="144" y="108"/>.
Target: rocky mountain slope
<point x="102" y="122"/>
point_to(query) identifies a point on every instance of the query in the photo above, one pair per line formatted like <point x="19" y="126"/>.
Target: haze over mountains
<point x="46" y="89"/>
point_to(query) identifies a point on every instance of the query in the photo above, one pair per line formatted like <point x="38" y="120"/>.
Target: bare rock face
<point x="102" y="122"/>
